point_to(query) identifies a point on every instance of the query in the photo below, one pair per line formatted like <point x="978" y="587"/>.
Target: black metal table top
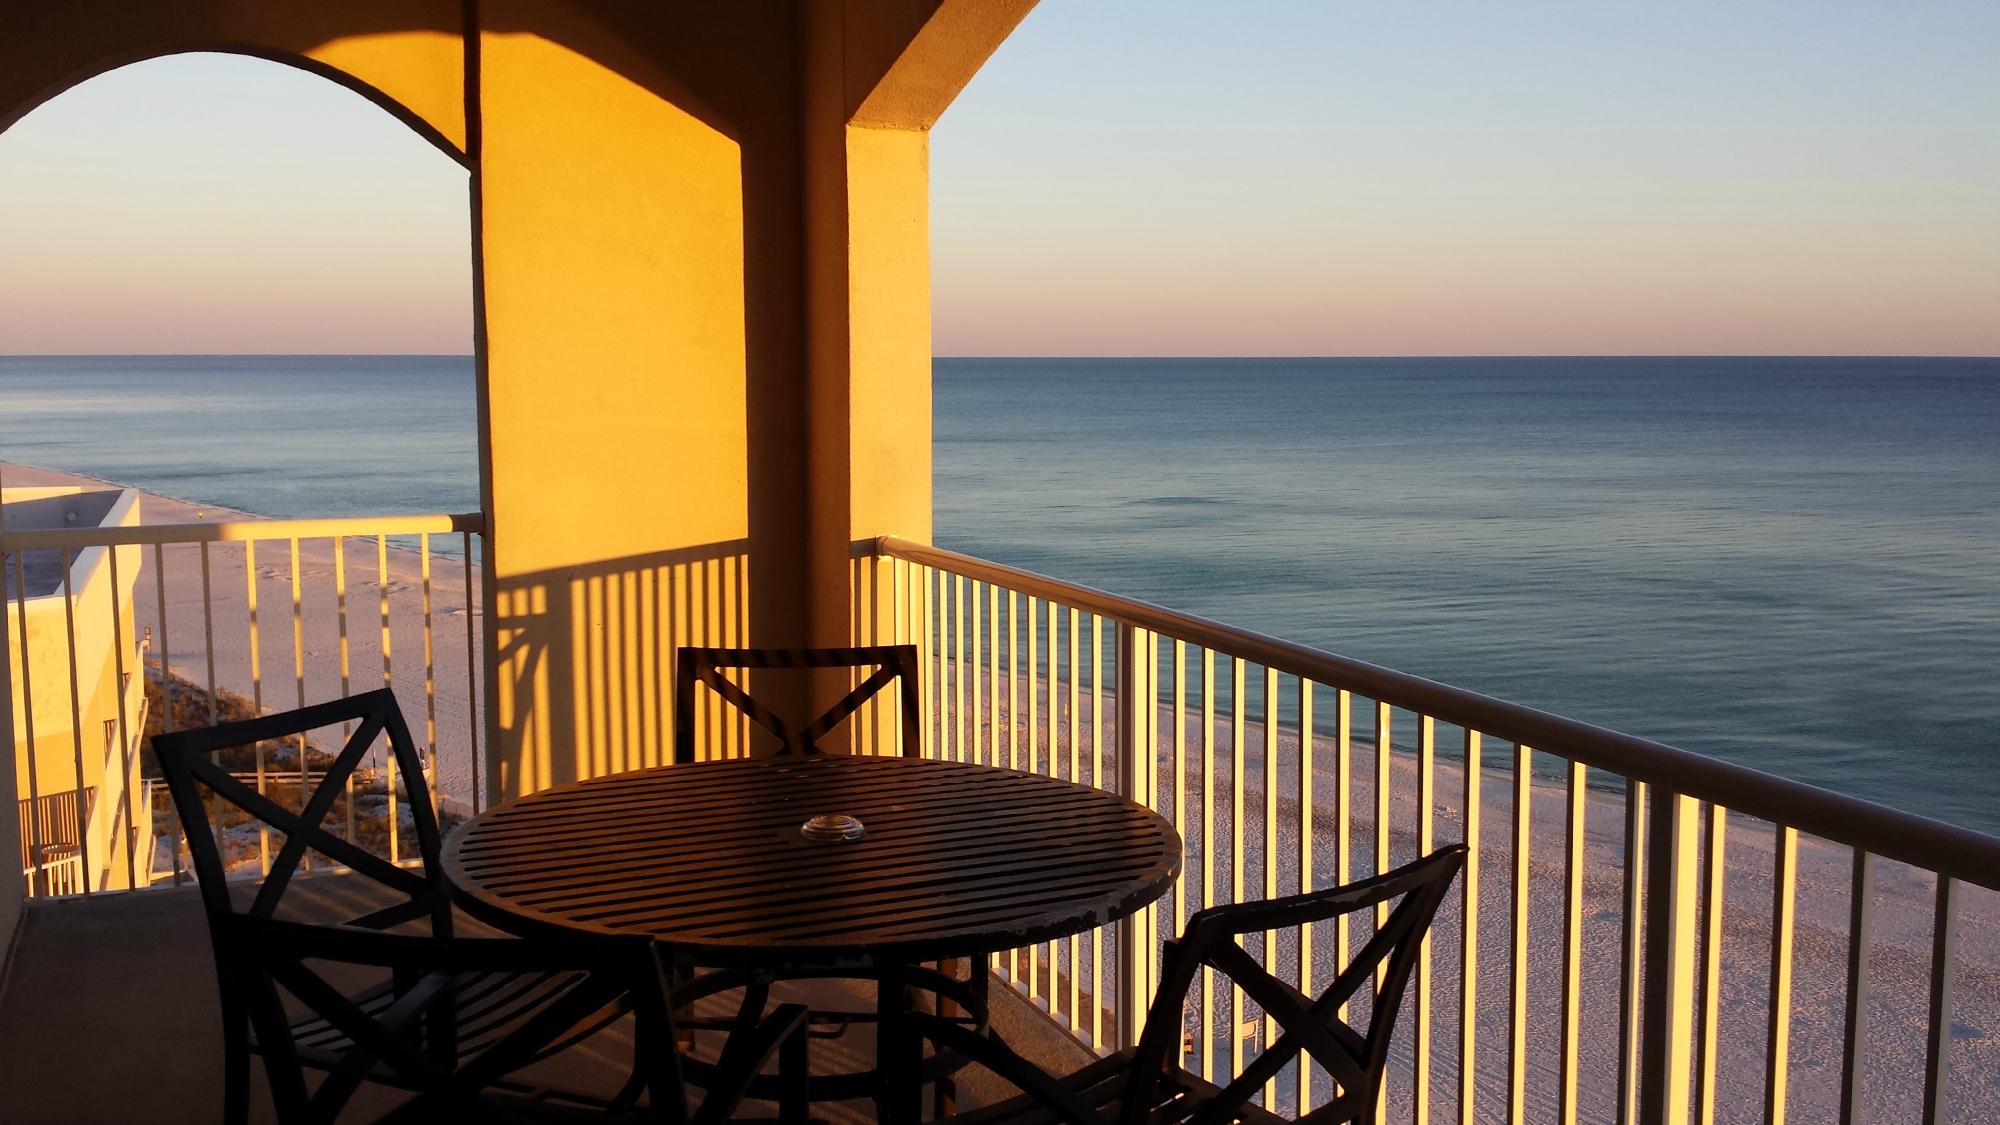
<point x="955" y="859"/>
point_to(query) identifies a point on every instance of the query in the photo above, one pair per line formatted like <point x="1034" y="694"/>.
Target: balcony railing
<point x="1629" y="942"/>
<point x="1638" y="904"/>
<point x="249" y="616"/>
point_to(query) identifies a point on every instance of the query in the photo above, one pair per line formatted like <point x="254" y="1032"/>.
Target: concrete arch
<point x="295" y="60"/>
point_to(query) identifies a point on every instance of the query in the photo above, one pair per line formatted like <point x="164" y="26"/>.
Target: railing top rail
<point x="1961" y="853"/>
<point x="245" y="530"/>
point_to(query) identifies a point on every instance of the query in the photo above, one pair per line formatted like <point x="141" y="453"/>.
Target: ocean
<point x="1789" y="563"/>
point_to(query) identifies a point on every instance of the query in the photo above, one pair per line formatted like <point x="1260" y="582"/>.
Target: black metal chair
<point x="706" y="665"/>
<point x="448" y="1018"/>
<point x="1147" y="1084"/>
<point x="897" y="664"/>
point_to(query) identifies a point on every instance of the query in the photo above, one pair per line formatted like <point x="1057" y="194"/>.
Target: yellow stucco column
<point x="700" y="240"/>
<point x="612" y="260"/>
<point x="877" y="77"/>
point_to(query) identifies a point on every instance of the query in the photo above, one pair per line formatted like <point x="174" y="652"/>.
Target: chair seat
<point x="1101" y="1085"/>
<point x="490" y="1005"/>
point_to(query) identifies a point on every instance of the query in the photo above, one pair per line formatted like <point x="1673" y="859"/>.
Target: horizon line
<point x="1079" y="356"/>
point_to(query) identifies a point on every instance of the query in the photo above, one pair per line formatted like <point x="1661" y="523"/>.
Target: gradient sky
<point x="1165" y="178"/>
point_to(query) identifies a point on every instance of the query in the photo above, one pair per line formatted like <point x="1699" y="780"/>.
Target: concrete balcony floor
<point x="108" y="1013"/>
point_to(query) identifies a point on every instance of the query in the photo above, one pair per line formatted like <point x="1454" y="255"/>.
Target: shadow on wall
<point x="584" y="670"/>
<point x="586" y="661"/>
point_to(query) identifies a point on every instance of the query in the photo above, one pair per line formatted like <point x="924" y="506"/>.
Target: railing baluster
<point x="430" y="666"/>
<point x="1037" y="681"/>
<point x="1778" y="1042"/>
<point x="1097" y="727"/>
<point x="1003" y="962"/>
<point x="1236" y="836"/>
<point x="1672" y="869"/>
<point x="340" y="613"/>
<point x="1383" y="719"/>
<point x="1420" y="1031"/>
<point x="1049" y="963"/>
<point x="208" y="636"/>
<point x="958" y="668"/>
<point x="1305" y="882"/>
<point x="1176" y="664"/>
<point x="1714" y="879"/>
<point x="1135" y="781"/>
<point x="1208" y="819"/>
<point x="929" y="658"/>
<point x="942" y="598"/>
<point x="972" y="752"/>
<point x="1149" y="703"/>
<point x="1267" y="851"/>
<point x="299" y="677"/>
<point x="1854" y="1030"/>
<point x="993" y="676"/>
<point x="166" y="652"/>
<point x="1013" y="681"/>
<point x="1572" y="963"/>
<point x="1097" y="997"/>
<point x="37" y="837"/>
<point x="1065" y="735"/>
<point x="1517" y="976"/>
<point x="471" y="676"/>
<point x="167" y="724"/>
<point x="1468" y="930"/>
<point x="1629" y="971"/>
<point x="1943" y="999"/>
<point x="391" y="768"/>
<point x="1343" y="806"/>
<point x="90" y="874"/>
<point x="127" y="765"/>
<point x="1073" y="732"/>
<point x="256" y="690"/>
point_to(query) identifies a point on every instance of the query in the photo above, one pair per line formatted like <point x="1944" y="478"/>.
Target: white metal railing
<point x="215" y="603"/>
<point x="1623" y="941"/>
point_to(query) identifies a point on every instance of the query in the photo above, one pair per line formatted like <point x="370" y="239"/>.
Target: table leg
<point x="898" y="1051"/>
<point x="944" y="1098"/>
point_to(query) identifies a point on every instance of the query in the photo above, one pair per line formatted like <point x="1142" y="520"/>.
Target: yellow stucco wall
<point x="701" y="253"/>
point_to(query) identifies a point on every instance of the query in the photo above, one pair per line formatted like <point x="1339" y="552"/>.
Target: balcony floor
<point x="108" y="1012"/>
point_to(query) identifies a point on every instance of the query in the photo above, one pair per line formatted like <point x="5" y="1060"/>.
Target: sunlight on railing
<point x="1584" y="973"/>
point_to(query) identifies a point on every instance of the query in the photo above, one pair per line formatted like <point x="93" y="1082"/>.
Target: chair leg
<point x="898" y="1051"/>
<point x="795" y="1077"/>
<point x="944" y="1096"/>
<point x="683" y="1037"/>
<point x="235" y="1071"/>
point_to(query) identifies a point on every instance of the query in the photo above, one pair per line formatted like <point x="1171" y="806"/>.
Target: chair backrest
<point x="707" y="665"/>
<point x="195" y="778"/>
<point x="451" y="1071"/>
<point x="1309" y="1026"/>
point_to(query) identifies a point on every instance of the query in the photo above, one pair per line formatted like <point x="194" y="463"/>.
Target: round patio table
<point x="952" y="860"/>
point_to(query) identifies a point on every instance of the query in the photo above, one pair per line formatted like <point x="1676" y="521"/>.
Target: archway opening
<point x="232" y="290"/>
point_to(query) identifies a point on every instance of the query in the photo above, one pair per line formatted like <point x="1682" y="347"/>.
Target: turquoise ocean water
<point x="1791" y="563"/>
